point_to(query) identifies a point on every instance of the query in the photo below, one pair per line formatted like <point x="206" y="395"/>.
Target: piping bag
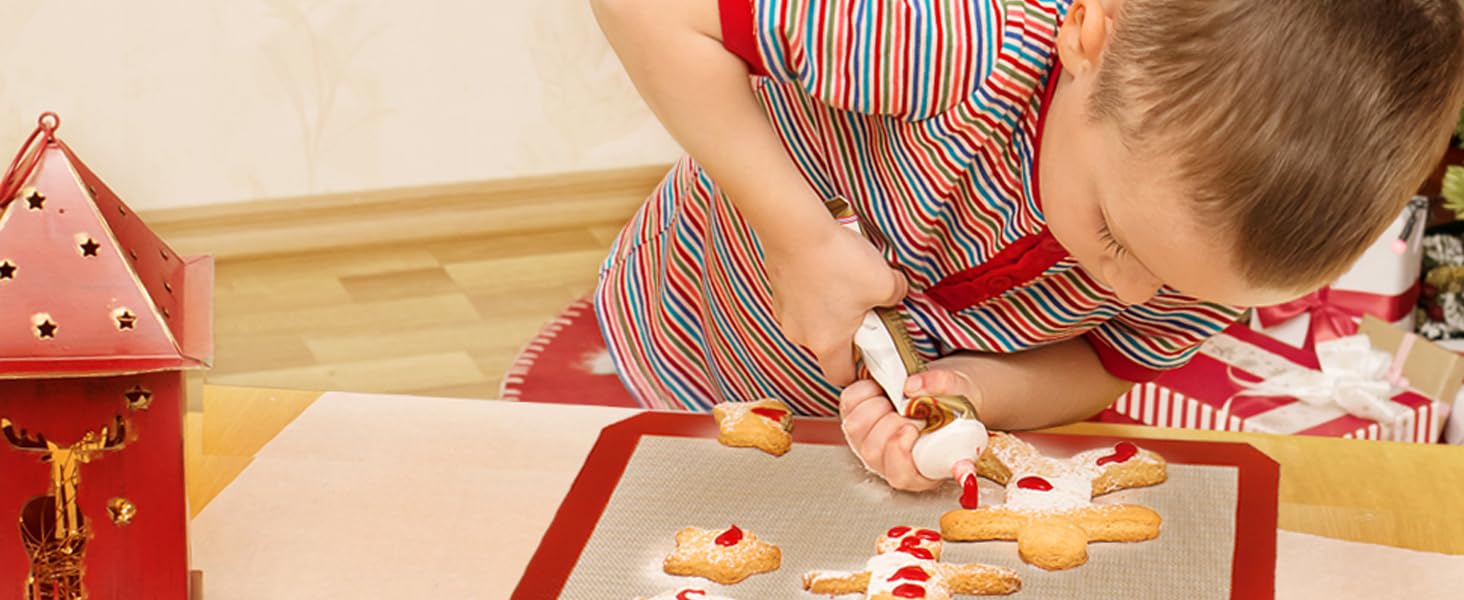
<point x="952" y="436"/>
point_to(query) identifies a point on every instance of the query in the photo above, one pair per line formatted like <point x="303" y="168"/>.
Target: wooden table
<point x="1395" y="494"/>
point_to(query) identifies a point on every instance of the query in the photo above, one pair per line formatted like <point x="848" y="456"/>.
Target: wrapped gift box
<point x="1384" y="282"/>
<point x="1243" y="380"/>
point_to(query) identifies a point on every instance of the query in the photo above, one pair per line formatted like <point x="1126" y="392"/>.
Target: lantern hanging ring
<point x="49" y="122"/>
<point x="20" y="167"/>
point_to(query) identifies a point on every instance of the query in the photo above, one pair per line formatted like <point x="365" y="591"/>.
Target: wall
<point x="192" y="102"/>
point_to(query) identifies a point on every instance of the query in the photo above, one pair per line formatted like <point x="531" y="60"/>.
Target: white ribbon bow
<point x="1354" y="377"/>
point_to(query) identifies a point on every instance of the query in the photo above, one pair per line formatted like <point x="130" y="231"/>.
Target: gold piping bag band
<point x="939" y="411"/>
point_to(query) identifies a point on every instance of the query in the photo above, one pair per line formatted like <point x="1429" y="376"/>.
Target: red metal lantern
<point x="99" y="320"/>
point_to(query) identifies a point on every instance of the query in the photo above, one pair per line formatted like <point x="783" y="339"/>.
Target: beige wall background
<point x="194" y="102"/>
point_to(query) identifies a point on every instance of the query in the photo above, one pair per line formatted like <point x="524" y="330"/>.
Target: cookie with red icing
<point x="907" y="565"/>
<point x="1049" y="509"/>
<point x="685" y="594"/>
<point x="725" y="556"/>
<point x="763" y="424"/>
<point x="918" y="542"/>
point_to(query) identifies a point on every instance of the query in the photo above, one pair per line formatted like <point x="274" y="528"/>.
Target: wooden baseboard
<point x="292" y="225"/>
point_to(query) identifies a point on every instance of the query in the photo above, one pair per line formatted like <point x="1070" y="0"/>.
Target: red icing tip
<point x="929" y="535"/>
<point x="686" y="594"/>
<point x="729" y="537"/>
<point x="897" y="531"/>
<point x="970" y="493"/>
<point x="775" y="414"/>
<point x="1121" y="453"/>
<point x="1034" y="483"/>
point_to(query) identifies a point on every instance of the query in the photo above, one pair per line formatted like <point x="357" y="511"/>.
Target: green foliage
<point x="1454" y="189"/>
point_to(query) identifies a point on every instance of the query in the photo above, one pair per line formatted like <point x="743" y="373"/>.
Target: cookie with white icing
<point x="906" y="565"/>
<point x="726" y="556"/>
<point x="1049" y="509"/>
<point x="763" y="424"/>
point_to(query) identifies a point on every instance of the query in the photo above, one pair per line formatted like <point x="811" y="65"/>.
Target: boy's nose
<point x="1131" y="287"/>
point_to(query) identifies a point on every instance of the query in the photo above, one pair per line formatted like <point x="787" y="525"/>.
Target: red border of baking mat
<point x="1252" y="576"/>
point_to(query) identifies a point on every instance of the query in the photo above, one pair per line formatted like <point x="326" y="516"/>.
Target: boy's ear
<point x="1084" y="35"/>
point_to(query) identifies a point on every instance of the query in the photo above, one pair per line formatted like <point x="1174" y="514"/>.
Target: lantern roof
<point x="85" y="287"/>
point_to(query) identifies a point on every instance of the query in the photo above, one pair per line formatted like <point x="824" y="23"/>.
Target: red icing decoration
<point x="1121" y="453"/>
<point x="909" y="590"/>
<point x="895" y="532"/>
<point x="683" y="594"/>
<point x="916" y="551"/>
<point x="970" y="494"/>
<point x="911" y="545"/>
<point x="1034" y="483"/>
<point x="910" y="573"/>
<point x="775" y="414"/>
<point x="730" y="537"/>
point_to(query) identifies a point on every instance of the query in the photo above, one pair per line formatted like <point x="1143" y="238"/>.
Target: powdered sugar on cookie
<point x="724" y="556"/>
<point x="906" y="565"/>
<point x="764" y="424"/>
<point x="1049" y="509"/>
<point x="1048" y="493"/>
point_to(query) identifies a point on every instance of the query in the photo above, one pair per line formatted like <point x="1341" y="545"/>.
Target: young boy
<point x="1063" y="196"/>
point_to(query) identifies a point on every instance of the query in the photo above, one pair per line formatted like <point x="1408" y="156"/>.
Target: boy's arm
<point x="1053" y="385"/>
<point x="673" y="52"/>
<point x="822" y="279"/>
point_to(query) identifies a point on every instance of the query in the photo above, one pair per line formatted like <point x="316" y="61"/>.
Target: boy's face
<point x="1129" y="224"/>
<point x="1123" y="215"/>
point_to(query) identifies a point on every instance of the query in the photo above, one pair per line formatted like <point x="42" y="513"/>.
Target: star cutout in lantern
<point x="90" y="247"/>
<point x="7" y="270"/>
<point x="46" y="329"/>
<point x="125" y="319"/>
<point x="138" y="398"/>
<point x="35" y="200"/>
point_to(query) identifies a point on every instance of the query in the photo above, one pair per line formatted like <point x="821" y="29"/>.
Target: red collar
<point x="1041" y="129"/>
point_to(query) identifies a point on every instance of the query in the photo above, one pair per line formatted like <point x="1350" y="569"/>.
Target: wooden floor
<point x="440" y="317"/>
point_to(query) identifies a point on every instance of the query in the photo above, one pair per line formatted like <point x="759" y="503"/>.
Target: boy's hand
<point x="822" y="289"/>
<point x="881" y="438"/>
<point x="946" y="376"/>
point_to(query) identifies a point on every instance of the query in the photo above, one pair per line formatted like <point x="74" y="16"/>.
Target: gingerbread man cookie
<point x="726" y="556"/>
<point x="763" y="424"/>
<point x="685" y="594"/>
<point x="1049" y="509"/>
<point x="906" y="566"/>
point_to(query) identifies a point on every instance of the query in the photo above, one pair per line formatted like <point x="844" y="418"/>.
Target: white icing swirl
<point x="1068" y="492"/>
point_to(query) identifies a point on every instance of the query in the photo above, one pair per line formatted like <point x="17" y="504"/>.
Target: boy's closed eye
<point x="1114" y="248"/>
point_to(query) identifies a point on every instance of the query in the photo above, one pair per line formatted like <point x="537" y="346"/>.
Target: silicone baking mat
<point x="655" y="473"/>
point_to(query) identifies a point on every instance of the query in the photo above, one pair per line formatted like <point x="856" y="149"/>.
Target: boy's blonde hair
<point x="1301" y="127"/>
